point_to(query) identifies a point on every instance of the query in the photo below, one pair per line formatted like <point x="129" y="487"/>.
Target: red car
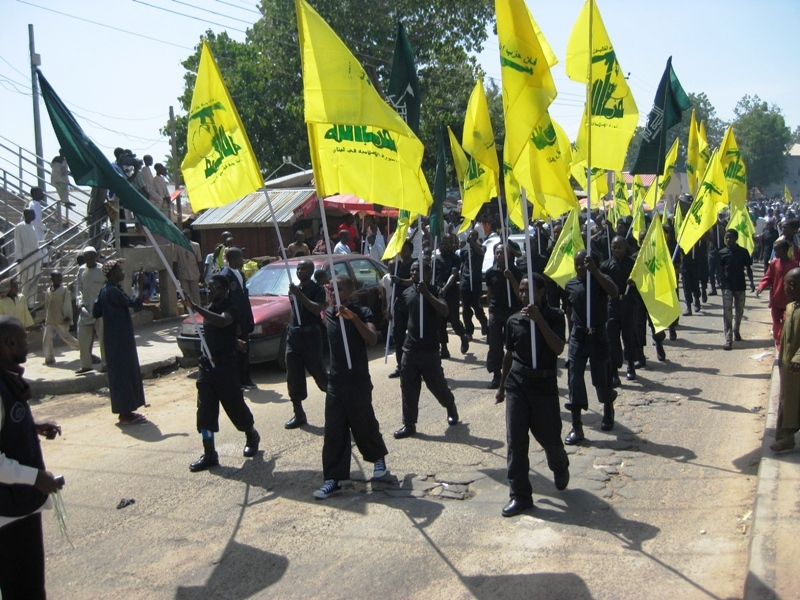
<point x="269" y="298"/>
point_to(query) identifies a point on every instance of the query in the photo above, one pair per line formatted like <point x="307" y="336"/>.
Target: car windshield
<point x="272" y="280"/>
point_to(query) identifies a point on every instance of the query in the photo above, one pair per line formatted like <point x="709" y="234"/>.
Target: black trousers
<point x="221" y="386"/>
<point x="593" y="348"/>
<point x="471" y="303"/>
<point x="348" y="409"/>
<point x="304" y="353"/>
<point x="528" y="410"/>
<point x="22" y="559"/>
<point x="416" y="367"/>
<point x="399" y="328"/>
<point x="713" y="269"/>
<point x="691" y="286"/>
<point x="622" y="340"/>
<point x="243" y="362"/>
<point x="496" y="339"/>
<point x="452" y="318"/>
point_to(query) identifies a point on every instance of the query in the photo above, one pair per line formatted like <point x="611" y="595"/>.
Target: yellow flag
<point x="734" y="169"/>
<point x="712" y="196"/>
<point x="678" y="219"/>
<point x="743" y="225"/>
<point x="639" y="191"/>
<point x="399" y="237"/>
<point x="561" y="266"/>
<point x="655" y="193"/>
<point x="787" y="195"/>
<point x="358" y="143"/>
<point x="599" y="181"/>
<point x="693" y="174"/>
<point x="613" y="111"/>
<point x="703" y="151"/>
<point x="478" y="137"/>
<point x="219" y="166"/>
<point x="654" y="276"/>
<point x="639" y="222"/>
<point x="528" y="87"/>
<point x="513" y="193"/>
<point x="621" y="206"/>
<point x="477" y="183"/>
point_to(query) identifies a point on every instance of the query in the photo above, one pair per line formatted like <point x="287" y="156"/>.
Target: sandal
<point x="134" y="419"/>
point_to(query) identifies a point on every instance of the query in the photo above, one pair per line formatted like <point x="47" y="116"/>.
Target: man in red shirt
<point x="348" y="226"/>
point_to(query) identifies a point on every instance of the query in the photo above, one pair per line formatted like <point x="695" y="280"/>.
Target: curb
<point x="761" y="578"/>
<point x="95" y="380"/>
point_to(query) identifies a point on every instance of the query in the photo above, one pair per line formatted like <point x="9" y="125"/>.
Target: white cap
<point x="89" y="249"/>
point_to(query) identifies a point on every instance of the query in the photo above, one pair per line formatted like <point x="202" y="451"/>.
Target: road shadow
<point x="530" y="586"/>
<point x="242" y="572"/>
<point x="748" y="463"/>
<point x="264" y="396"/>
<point x="752" y="375"/>
<point x="148" y="432"/>
<point x="459" y="434"/>
<point x="714" y="405"/>
<point x="470" y="384"/>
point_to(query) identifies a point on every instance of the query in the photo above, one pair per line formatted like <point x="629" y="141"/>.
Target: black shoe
<point x="607" y="424"/>
<point x="495" y="382"/>
<point x="697" y="306"/>
<point x="630" y="375"/>
<point x="615" y="382"/>
<point x="660" y="354"/>
<point x="405" y="431"/>
<point x="484" y="330"/>
<point x="737" y="337"/>
<point x="673" y="335"/>
<point x="295" y="422"/>
<point x="251" y="444"/>
<point x="395" y="374"/>
<point x="704" y="296"/>
<point x="641" y="363"/>
<point x="712" y="292"/>
<point x="561" y="479"/>
<point x="514" y="507"/>
<point x="727" y="346"/>
<point x="464" y="344"/>
<point x="445" y="353"/>
<point x="452" y="415"/>
<point x="687" y="312"/>
<point x="249" y="385"/>
<point x="575" y="436"/>
<point x="207" y="460"/>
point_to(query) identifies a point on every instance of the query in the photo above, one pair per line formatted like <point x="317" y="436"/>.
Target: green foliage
<point x="263" y="73"/>
<point x="763" y="137"/>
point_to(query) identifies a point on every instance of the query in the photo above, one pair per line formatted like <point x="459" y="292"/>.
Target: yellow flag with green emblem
<point x="599" y="181"/>
<point x="693" y="174"/>
<point x="478" y="137"/>
<point x="654" y="276"/>
<point x="703" y="150"/>
<point x="528" y="87"/>
<point x="219" y="166"/>
<point x="621" y="206"/>
<point x="478" y="183"/>
<point x="612" y="109"/>
<point x="734" y="169"/>
<point x="358" y="143"/>
<point x="712" y="196"/>
<point x="743" y="225"/>
<point x="787" y="195"/>
<point x="561" y="265"/>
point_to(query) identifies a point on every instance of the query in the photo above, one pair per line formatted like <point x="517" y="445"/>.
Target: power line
<point x="13" y="67"/>
<point x="147" y="37"/>
<point x="213" y="13"/>
<point x="174" y="12"/>
<point x="252" y="10"/>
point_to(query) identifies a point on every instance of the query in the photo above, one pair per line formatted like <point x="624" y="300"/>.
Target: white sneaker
<point x="380" y="471"/>
<point x="328" y="489"/>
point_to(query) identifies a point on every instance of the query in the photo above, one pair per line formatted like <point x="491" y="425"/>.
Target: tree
<point x="263" y="73"/>
<point x="762" y="137"/>
<point x="796" y="136"/>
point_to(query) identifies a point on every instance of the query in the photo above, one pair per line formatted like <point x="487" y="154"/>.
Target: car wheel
<point x="281" y="358"/>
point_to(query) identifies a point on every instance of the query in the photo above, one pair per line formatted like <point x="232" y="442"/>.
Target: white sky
<point x="120" y="86"/>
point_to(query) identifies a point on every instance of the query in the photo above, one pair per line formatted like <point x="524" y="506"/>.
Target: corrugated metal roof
<point x="253" y="209"/>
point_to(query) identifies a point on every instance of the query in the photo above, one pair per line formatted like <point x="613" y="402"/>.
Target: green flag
<point x="403" y="90"/>
<point x="436" y="220"/>
<point x="668" y="106"/>
<point x="89" y="166"/>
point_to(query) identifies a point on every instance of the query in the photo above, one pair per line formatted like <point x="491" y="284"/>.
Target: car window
<point x="272" y="280"/>
<point x="366" y="272"/>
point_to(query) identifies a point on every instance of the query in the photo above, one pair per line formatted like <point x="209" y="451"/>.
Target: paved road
<point x="658" y="508"/>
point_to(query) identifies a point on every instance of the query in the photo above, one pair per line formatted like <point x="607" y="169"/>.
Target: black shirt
<point x="518" y="342"/>
<point x="409" y="305"/>
<point x="222" y="340"/>
<point x="619" y="272"/>
<point x="338" y="371"/>
<point x="471" y="274"/>
<point x="497" y="283"/>
<point x="315" y="293"/>
<point x="445" y="264"/>
<point x="576" y="298"/>
<point x="732" y="263"/>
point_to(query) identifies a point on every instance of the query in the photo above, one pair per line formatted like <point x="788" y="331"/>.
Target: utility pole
<point x="36" y="61"/>
<point x="175" y="163"/>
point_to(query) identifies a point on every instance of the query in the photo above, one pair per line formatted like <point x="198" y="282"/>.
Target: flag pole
<point x="469" y="258"/>
<point x="589" y="165"/>
<point x="530" y="272"/>
<point x="168" y="268"/>
<point x="433" y="259"/>
<point x="504" y="242"/>
<point x="333" y="278"/>
<point x="421" y="260"/>
<point x="391" y="312"/>
<point x="283" y="252"/>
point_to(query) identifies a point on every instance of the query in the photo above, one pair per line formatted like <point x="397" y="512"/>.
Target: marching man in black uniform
<point x="621" y="312"/>
<point x="588" y="341"/>
<point x="421" y="359"/>
<point x="532" y="393"/>
<point x="348" y="402"/>
<point x="219" y="383"/>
